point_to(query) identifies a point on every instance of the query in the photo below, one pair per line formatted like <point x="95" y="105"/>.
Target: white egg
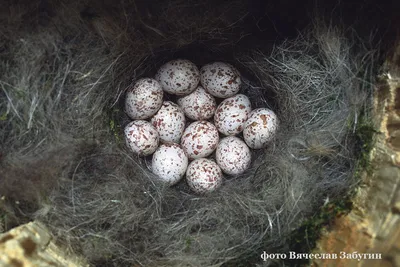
<point x="143" y="99"/>
<point x="233" y="155"/>
<point x="141" y="137"/>
<point x="220" y="79"/>
<point x="169" y="122"/>
<point x="169" y="163"/>
<point x="198" y="105"/>
<point x="199" y="139"/>
<point x="231" y="114"/>
<point x="178" y="77"/>
<point x="260" y="128"/>
<point x="203" y="175"/>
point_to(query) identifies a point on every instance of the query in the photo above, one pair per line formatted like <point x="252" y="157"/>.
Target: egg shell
<point x="260" y="128"/>
<point x="203" y="175"/>
<point x="141" y="137"/>
<point x="199" y="139"/>
<point x="178" y="77"/>
<point x="198" y="105"/>
<point x="169" y="163"/>
<point x="143" y="99"/>
<point x="232" y="114"/>
<point x="233" y="155"/>
<point x="170" y="122"/>
<point x="220" y="79"/>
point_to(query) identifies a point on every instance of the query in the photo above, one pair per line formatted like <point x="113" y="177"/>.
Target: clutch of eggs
<point x="184" y="137"/>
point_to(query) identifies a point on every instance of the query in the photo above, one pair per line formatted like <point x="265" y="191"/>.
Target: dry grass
<point x="62" y="84"/>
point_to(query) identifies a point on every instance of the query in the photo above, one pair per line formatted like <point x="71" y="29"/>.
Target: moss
<point x="114" y="124"/>
<point x="305" y="238"/>
<point x="3" y="117"/>
<point x="188" y="244"/>
<point x="364" y="134"/>
<point x="3" y="221"/>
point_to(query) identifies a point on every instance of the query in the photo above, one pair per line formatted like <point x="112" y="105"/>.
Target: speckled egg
<point x="169" y="122"/>
<point x="203" y="175"/>
<point x="260" y="128"/>
<point x="169" y="163"/>
<point x="220" y="79"/>
<point x="199" y="139"/>
<point x="233" y="155"/>
<point x="198" y="105"/>
<point x="143" y="99"/>
<point x="178" y="77"/>
<point x="141" y="137"/>
<point x="231" y="114"/>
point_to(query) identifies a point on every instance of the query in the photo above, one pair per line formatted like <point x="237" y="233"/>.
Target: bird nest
<point x="65" y="162"/>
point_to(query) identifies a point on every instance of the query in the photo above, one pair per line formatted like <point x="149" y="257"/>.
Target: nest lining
<point x="62" y="88"/>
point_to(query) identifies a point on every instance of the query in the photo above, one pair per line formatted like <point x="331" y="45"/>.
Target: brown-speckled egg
<point x="220" y="79"/>
<point x="198" y="105"/>
<point x="141" y="137"/>
<point x="143" y="99"/>
<point x="169" y="122"/>
<point x="169" y="163"/>
<point x="231" y="114"/>
<point x="199" y="139"/>
<point x="260" y="128"/>
<point x="203" y="175"/>
<point x="178" y="77"/>
<point x="233" y="155"/>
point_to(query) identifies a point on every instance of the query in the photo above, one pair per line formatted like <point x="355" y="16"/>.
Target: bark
<point x="373" y="226"/>
<point x="31" y="245"/>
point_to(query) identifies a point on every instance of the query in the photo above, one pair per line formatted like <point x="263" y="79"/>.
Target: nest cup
<point x="261" y="96"/>
<point x="104" y="203"/>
